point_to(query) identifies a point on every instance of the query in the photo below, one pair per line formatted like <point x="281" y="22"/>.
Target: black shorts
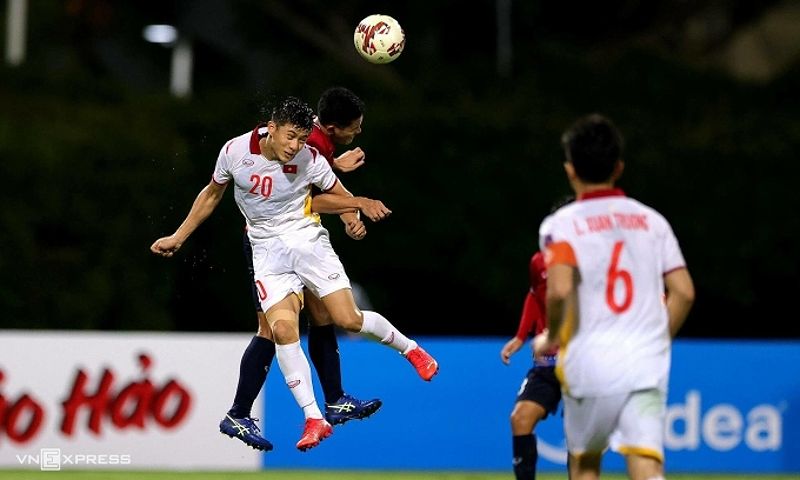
<point x="248" y="259"/>
<point x="541" y="386"/>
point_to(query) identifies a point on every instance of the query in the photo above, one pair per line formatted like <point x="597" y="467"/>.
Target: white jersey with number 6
<point x="616" y="338"/>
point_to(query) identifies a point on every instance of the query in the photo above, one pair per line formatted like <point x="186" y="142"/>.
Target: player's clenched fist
<point x="353" y="226"/>
<point x="165" y="246"/>
<point x="375" y="210"/>
<point x="355" y="229"/>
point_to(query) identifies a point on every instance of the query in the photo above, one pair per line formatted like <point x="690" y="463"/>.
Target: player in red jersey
<point x="540" y="392"/>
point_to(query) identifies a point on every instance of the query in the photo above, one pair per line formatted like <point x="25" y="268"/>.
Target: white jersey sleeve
<point x="672" y="255"/>
<point x="222" y="171"/>
<point x="320" y="172"/>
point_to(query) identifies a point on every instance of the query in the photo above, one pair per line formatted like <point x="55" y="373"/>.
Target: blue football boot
<point x="350" y="408"/>
<point x="246" y="430"/>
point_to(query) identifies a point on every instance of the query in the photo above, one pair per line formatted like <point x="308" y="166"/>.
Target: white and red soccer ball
<point x="379" y="38"/>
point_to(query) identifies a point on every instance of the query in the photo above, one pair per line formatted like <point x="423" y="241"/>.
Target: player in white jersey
<point x="340" y="114"/>
<point x="610" y="259"/>
<point x="273" y="171"/>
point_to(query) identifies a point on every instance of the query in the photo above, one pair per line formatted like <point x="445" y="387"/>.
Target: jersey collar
<point x="258" y="133"/>
<point x="606" y="192"/>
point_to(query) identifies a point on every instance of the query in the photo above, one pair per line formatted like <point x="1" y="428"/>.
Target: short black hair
<point x="293" y="111"/>
<point x="593" y="145"/>
<point x="339" y="106"/>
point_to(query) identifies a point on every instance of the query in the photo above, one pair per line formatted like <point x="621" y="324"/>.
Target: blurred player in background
<point x="340" y="113"/>
<point x="273" y="170"/>
<point x="540" y="392"/>
<point x="609" y="259"/>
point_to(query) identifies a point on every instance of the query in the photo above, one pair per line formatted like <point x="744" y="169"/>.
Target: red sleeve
<point x="538" y="273"/>
<point x="532" y="319"/>
<point x="531" y="316"/>
<point x="321" y="142"/>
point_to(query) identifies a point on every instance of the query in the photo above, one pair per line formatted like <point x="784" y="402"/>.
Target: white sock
<point x="375" y="325"/>
<point x="297" y="372"/>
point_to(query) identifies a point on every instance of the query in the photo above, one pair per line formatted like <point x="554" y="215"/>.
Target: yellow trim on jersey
<point x="562" y="353"/>
<point x="564" y="337"/>
<point x="307" y="208"/>
<point x="641" y="451"/>
<point x="302" y="298"/>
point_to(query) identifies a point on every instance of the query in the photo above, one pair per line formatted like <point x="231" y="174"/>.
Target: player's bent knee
<point x="351" y="326"/>
<point x="284" y="326"/>
<point x="525" y="415"/>
<point x="350" y="321"/>
<point x="522" y="420"/>
<point x="284" y="332"/>
<point x="521" y="426"/>
<point x="343" y="311"/>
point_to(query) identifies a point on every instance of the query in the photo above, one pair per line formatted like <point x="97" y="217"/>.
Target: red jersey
<point x="322" y="142"/>
<point x="533" y="319"/>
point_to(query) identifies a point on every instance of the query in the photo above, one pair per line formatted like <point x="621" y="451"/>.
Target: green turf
<point x="328" y="475"/>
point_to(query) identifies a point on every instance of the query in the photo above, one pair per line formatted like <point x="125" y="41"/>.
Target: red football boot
<point x="425" y="364"/>
<point x="316" y="430"/>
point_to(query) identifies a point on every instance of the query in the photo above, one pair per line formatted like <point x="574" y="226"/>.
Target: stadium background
<point x="461" y="135"/>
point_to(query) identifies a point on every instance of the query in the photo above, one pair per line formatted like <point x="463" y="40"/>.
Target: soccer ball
<point x="379" y="39"/>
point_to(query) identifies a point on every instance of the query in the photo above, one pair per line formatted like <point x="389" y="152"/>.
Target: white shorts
<point x="286" y="263"/>
<point x="631" y="423"/>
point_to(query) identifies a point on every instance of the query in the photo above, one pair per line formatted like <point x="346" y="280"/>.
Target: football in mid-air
<point x="379" y="38"/>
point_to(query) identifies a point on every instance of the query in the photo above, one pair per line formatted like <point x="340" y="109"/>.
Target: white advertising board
<point x="119" y="400"/>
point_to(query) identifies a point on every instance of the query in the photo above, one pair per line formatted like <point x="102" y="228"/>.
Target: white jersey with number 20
<point x="275" y="198"/>
<point x="617" y="338"/>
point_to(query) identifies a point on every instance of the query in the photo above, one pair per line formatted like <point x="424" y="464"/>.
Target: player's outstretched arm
<point x="680" y="297"/>
<point x="205" y="203"/>
<point x="339" y="200"/>
<point x="332" y="203"/>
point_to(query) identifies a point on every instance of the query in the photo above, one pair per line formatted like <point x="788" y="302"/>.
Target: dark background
<point x="98" y="159"/>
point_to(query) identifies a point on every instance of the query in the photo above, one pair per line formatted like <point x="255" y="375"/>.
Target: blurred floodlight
<point x="16" y="31"/>
<point x="166" y="34"/>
